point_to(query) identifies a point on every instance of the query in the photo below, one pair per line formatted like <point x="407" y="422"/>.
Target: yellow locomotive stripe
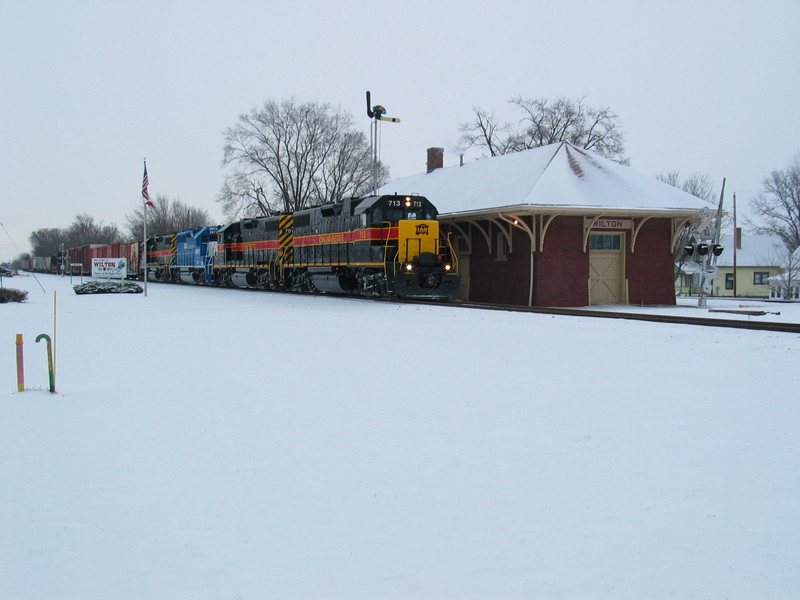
<point x="286" y="239"/>
<point x="173" y="248"/>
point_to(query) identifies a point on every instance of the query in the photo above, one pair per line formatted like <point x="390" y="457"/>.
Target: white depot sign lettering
<point x="110" y="268"/>
<point x="612" y="224"/>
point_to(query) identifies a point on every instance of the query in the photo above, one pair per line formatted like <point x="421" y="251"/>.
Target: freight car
<point x="78" y="260"/>
<point x="127" y="250"/>
<point x="44" y="264"/>
<point x="82" y="255"/>
<point x="372" y="246"/>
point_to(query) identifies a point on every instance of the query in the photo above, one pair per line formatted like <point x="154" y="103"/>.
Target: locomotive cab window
<point x="401" y="214"/>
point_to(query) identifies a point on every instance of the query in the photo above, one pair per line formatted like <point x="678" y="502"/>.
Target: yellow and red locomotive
<point x="374" y="246"/>
<point x="160" y="263"/>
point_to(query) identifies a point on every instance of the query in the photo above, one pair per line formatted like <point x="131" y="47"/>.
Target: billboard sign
<point x="110" y="268"/>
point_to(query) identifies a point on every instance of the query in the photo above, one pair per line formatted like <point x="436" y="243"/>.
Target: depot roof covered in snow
<point x="556" y="178"/>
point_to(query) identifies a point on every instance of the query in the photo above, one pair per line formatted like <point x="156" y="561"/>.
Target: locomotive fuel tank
<point x="244" y="279"/>
<point x="333" y="283"/>
<point x="193" y="277"/>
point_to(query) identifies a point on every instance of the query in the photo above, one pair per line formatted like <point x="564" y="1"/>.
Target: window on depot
<point x="604" y="242"/>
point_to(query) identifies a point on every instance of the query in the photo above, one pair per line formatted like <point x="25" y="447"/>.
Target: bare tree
<point x="778" y="205"/>
<point x="546" y="122"/>
<point x="696" y="184"/>
<point x="23" y="261"/>
<point x="47" y="242"/>
<point x="86" y="230"/>
<point x="486" y="132"/>
<point x="348" y="172"/>
<point x="166" y="216"/>
<point x="787" y="281"/>
<point x="286" y="156"/>
<point x="242" y="195"/>
<point x="83" y="230"/>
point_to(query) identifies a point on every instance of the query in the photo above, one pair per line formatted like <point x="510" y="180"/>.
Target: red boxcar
<point x="83" y="256"/>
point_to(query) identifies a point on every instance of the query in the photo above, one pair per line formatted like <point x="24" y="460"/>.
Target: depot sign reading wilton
<point x="612" y="224"/>
<point x="109" y="268"/>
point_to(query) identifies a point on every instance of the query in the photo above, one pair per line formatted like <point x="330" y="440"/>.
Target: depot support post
<point x="20" y="366"/>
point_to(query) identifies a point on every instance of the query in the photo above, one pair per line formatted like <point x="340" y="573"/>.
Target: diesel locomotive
<point x="373" y="246"/>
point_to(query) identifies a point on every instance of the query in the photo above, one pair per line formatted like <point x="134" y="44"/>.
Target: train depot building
<point x="557" y="226"/>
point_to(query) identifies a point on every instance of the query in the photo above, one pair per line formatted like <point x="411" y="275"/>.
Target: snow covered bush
<point x="108" y="287"/>
<point x="9" y="295"/>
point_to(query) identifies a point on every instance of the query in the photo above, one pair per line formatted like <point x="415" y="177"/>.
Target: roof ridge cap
<point x="583" y="152"/>
<point x="547" y="166"/>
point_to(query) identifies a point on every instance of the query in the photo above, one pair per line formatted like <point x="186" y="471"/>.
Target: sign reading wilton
<point x="110" y="268"/>
<point x="612" y="224"/>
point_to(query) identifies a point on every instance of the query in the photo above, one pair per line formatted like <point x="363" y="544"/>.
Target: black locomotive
<point x="373" y="246"/>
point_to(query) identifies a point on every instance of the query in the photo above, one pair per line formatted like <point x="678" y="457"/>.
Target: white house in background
<point x="746" y="266"/>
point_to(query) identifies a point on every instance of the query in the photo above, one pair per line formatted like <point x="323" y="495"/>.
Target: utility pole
<point x="147" y="202"/>
<point x="736" y="241"/>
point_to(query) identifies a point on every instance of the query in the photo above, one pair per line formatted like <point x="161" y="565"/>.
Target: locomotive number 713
<point x="407" y="204"/>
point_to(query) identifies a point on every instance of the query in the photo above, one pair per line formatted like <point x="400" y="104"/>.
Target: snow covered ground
<point x="222" y="444"/>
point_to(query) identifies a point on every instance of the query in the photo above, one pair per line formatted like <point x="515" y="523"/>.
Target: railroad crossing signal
<point x="703" y="249"/>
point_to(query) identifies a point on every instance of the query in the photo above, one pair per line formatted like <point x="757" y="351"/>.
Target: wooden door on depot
<point x="606" y="269"/>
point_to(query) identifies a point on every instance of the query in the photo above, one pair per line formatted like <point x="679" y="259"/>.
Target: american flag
<point x="145" y="183"/>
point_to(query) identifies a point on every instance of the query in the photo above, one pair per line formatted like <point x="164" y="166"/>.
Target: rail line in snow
<point x="601" y="314"/>
<point x="582" y="312"/>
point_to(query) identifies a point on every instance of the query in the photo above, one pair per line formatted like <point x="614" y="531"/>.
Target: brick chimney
<point x="435" y="159"/>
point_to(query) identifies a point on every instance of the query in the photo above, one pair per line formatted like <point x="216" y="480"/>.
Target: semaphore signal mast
<point x="376" y="113"/>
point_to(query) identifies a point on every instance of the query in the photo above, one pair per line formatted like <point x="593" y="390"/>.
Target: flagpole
<point x="146" y="201"/>
<point x="144" y="248"/>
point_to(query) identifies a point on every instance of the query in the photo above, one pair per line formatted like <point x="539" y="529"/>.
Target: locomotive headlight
<point x="408" y="201"/>
<point x="409" y="267"/>
<point x="447" y="267"/>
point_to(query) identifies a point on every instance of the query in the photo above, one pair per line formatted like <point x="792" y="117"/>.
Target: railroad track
<point x="578" y="312"/>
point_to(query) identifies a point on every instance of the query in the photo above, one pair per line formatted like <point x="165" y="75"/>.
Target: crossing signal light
<point x="703" y="249"/>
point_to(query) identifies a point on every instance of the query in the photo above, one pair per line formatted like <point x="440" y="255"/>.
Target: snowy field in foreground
<point x="223" y="444"/>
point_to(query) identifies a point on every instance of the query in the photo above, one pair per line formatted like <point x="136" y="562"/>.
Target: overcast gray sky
<point x="90" y="88"/>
